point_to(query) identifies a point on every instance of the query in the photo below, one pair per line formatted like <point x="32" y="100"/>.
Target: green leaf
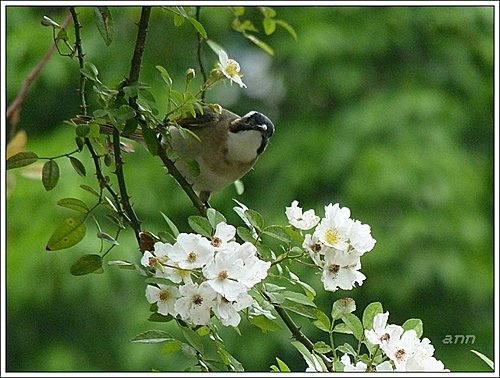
<point x="347" y="348"/>
<point x="264" y="46"/>
<point x="269" y="25"/>
<point x="90" y="71"/>
<point x="171" y="346"/>
<point x="82" y="130"/>
<point x="415" y="324"/>
<point x="265" y="324"/>
<point x="89" y="189"/>
<point x="238" y="11"/>
<point x="171" y="225"/>
<point x="287" y="27"/>
<point x="255" y="218"/>
<point x="214" y="46"/>
<point x="165" y="75"/>
<point x="489" y="362"/>
<point x="159" y="318"/>
<point x="307" y="355"/>
<point x="354" y="325"/>
<point x="322" y="321"/>
<point x="125" y="112"/>
<point x="341" y="307"/>
<point x="150" y="139"/>
<point x="214" y="217"/>
<point x="50" y="175"/>
<point x="298" y="298"/>
<point x="152" y="336"/>
<point x="21" y="159"/>
<point x="122" y="264"/>
<point x="300" y="309"/>
<point x="245" y="234"/>
<point x="86" y="264"/>
<point x="278" y="233"/>
<point x="70" y="232"/>
<point x="104" y="23"/>
<point x="371" y="310"/>
<point x="199" y="27"/>
<point x="282" y="366"/>
<point x="268" y="12"/>
<point x="74" y="204"/>
<point x="193" y="339"/>
<point x="322" y="347"/>
<point x="78" y="166"/>
<point x="107" y="238"/>
<point x="200" y="225"/>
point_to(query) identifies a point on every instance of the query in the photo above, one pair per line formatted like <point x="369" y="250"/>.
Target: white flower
<point x="164" y="296"/>
<point x="383" y="334"/>
<point x="346" y="361"/>
<point x="174" y="273"/>
<point x="360" y="237"/>
<point x="224" y="233"/>
<point x="230" y="68"/>
<point x="384" y="366"/>
<point x="191" y="251"/>
<point x="255" y="269"/>
<point x="422" y="359"/>
<point x="158" y="257"/>
<point x="223" y="274"/>
<point x="315" y="248"/>
<point x="333" y="230"/>
<point x="302" y="221"/>
<point x="227" y="311"/>
<point x="341" y="270"/>
<point x="195" y="302"/>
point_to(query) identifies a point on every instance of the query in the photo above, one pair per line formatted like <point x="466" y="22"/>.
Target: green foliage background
<point x="386" y="110"/>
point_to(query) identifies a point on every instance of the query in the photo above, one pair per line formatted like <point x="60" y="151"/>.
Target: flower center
<point x="222" y="275"/>
<point x="334" y="269"/>
<point x="316" y="247"/>
<point x="197" y="300"/>
<point x="385" y="337"/>
<point x="192" y="256"/>
<point x="164" y="295"/>
<point x="216" y="241"/>
<point x="232" y="67"/>
<point x="400" y="354"/>
<point x="332" y="236"/>
<point x="152" y="261"/>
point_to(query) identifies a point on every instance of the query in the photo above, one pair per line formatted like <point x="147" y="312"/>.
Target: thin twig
<point x="15" y="107"/>
<point x="200" y="44"/>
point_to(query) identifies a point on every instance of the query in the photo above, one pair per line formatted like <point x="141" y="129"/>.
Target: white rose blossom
<point x="230" y="68"/>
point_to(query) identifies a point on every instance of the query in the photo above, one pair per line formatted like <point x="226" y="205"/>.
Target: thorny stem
<point x="80" y="55"/>
<point x="169" y="164"/>
<point x="132" y="78"/>
<point x="296" y="332"/>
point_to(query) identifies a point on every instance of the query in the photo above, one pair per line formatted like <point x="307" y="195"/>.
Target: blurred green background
<point x="386" y="110"/>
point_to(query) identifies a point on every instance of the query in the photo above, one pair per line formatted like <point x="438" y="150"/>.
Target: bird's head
<point x="254" y="121"/>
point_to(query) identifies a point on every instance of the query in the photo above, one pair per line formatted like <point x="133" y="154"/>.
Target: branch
<point x="140" y="43"/>
<point x="200" y="62"/>
<point x="169" y="164"/>
<point x="15" y="107"/>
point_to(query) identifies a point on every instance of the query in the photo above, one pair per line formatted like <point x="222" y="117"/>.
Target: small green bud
<point x="190" y="74"/>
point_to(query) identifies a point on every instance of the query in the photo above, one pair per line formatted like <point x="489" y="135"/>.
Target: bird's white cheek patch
<point x="243" y="146"/>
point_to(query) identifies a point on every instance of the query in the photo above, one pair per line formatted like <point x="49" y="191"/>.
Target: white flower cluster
<point x="335" y="245"/>
<point x="211" y="275"/>
<point x="405" y="350"/>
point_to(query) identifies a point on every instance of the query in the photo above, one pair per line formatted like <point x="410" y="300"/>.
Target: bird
<point x="225" y="147"/>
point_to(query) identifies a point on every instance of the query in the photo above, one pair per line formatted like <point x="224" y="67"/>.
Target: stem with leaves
<point x="80" y="55"/>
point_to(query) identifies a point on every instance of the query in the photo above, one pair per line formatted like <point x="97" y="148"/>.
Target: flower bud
<point x="190" y="74"/>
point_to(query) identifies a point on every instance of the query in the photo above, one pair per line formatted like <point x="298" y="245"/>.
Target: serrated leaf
<point x="282" y="366"/>
<point x="104" y="23"/>
<point x="322" y="347"/>
<point x="346" y="348"/>
<point x="415" y="324"/>
<point x="200" y="225"/>
<point x="152" y="336"/>
<point x="122" y="264"/>
<point x="265" y="324"/>
<point x="214" y="217"/>
<point x="50" y="175"/>
<point x="298" y="308"/>
<point x="74" y="204"/>
<point x="245" y="234"/>
<point x="354" y="324"/>
<point x="369" y="313"/>
<point x="70" y="232"/>
<point x="86" y="264"/>
<point x="125" y="112"/>
<point x="171" y="225"/>
<point x="278" y="233"/>
<point x="82" y="130"/>
<point x="193" y="339"/>
<point x="78" y="166"/>
<point x="21" y="159"/>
